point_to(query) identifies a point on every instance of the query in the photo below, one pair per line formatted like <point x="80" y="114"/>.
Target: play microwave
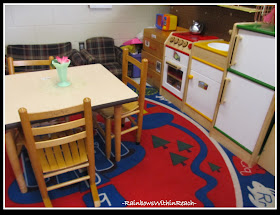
<point x="166" y="22"/>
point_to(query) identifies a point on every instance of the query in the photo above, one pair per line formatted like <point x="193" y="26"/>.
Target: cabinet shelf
<point x="175" y="77"/>
<point x="241" y="8"/>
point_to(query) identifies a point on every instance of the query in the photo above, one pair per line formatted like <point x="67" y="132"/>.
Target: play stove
<point x="177" y="50"/>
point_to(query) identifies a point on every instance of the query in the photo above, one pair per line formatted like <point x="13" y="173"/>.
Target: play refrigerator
<point x="247" y="101"/>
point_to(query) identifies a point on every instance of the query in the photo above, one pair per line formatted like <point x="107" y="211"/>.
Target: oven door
<point x="174" y="77"/>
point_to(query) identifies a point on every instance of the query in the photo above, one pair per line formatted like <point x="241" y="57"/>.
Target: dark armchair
<point x="103" y="50"/>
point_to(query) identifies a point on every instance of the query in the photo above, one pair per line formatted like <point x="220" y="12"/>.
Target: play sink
<point x="219" y="46"/>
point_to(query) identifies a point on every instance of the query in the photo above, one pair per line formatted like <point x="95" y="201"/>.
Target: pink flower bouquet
<point x="59" y="60"/>
<point x="62" y="60"/>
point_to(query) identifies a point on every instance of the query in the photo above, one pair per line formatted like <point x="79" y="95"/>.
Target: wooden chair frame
<point x="12" y="63"/>
<point x="15" y="133"/>
<point x="128" y="109"/>
<point x="61" y="153"/>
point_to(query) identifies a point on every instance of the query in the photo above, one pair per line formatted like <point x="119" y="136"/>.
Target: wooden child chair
<point x="128" y="109"/>
<point x="61" y="148"/>
<point x="12" y="64"/>
<point x="15" y="134"/>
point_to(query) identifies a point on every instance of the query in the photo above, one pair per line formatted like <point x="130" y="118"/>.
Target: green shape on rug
<point x="176" y="159"/>
<point x="158" y="142"/>
<point x="183" y="146"/>
<point x="214" y="167"/>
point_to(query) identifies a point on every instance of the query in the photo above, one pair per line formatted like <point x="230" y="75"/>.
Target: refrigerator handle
<point x="237" y="39"/>
<point x="223" y="99"/>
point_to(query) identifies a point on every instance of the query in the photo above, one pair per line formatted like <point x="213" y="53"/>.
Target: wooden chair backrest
<point x="12" y="63"/>
<point x="30" y="132"/>
<point x="143" y="66"/>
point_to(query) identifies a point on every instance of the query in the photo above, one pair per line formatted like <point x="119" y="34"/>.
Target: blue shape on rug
<point x="109" y="197"/>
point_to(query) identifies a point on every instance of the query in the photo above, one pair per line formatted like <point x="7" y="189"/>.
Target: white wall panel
<point x="31" y="15"/>
<point x="35" y="24"/>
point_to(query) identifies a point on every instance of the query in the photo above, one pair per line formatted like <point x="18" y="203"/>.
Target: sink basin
<point x="219" y="46"/>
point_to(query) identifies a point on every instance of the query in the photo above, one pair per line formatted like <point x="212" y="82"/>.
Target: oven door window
<point x="174" y="76"/>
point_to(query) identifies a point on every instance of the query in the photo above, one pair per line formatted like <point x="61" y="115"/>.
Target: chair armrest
<point x="77" y="58"/>
<point x="89" y="58"/>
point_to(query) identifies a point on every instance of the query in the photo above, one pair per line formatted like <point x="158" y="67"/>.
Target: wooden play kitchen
<point x="244" y="117"/>
<point x="205" y="75"/>
<point x="228" y="87"/>
<point x="178" y="49"/>
<point x="153" y="48"/>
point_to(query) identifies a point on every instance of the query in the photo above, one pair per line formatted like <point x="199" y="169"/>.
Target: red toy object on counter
<point x="194" y="37"/>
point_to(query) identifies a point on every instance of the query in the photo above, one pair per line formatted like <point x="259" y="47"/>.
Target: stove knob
<point x="190" y="46"/>
<point x="171" y="39"/>
<point x="185" y="43"/>
<point x="180" y="42"/>
<point x="176" y="40"/>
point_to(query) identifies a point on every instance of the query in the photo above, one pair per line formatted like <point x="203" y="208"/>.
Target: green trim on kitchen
<point x="267" y="29"/>
<point x="251" y="78"/>
<point x="233" y="140"/>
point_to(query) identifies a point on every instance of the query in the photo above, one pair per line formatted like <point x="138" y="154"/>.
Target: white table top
<point x="38" y="91"/>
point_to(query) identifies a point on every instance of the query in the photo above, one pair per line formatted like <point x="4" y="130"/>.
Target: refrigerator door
<point x="255" y="56"/>
<point x="242" y="115"/>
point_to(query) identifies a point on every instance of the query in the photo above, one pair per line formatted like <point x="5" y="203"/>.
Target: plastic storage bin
<point x="136" y="71"/>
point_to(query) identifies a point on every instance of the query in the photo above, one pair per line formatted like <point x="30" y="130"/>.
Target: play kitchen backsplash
<point x="222" y="85"/>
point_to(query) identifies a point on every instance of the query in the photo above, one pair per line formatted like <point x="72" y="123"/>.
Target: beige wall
<point x="35" y="24"/>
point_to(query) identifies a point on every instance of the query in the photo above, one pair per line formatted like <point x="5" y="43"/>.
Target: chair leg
<point x="93" y="187"/>
<point x="38" y="172"/>
<point x="95" y="195"/>
<point x="43" y="190"/>
<point x="47" y="202"/>
<point x="108" y="139"/>
<point x="14" y="161"/>
<point x="139" y="130"/>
